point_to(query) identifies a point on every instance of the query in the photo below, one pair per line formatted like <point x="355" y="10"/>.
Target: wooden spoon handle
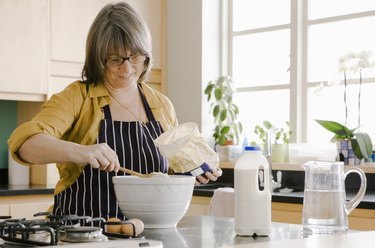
<point x="131" y="172"/>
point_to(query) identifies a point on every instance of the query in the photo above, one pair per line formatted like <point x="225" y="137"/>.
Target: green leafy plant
<point x="361" y="142"/>
<point x="220" y="93"/>
<point x="280" y="135"/>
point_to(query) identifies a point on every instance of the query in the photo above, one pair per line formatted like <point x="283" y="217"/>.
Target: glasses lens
<point x="137" y="59"/>
<point x="115" y="61"/>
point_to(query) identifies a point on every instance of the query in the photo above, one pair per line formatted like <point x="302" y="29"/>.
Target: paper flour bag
<point x="187" y="150"/>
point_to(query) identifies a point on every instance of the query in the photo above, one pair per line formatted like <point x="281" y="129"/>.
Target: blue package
<point x="197" y="171"/>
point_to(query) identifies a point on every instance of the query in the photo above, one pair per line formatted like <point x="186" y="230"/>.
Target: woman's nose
<point x="126" y="67"/>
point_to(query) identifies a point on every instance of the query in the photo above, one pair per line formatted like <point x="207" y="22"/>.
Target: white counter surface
<point x="210" y="231"/>
<point x="349" y="240"/>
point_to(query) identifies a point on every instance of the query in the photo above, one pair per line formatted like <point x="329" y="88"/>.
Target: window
<point x="280" y="51"/>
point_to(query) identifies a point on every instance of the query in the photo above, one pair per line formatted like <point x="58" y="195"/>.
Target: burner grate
<point x="22" y="235"/>
<point x="53" y="230"/>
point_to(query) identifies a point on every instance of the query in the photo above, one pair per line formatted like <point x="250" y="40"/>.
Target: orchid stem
<point x="346" y="105"/>
<point x="359" y="97"/>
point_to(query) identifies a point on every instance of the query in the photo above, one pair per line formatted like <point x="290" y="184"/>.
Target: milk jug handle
<point x="349" y="206"/>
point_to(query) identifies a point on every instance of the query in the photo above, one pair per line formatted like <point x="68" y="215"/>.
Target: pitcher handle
<point x="349" y="206"/>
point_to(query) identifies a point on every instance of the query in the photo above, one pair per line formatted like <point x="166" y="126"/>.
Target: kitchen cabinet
<point x="25" y="206"/>
<point x="359" y="219"/>
<point x="287" y="212"/>
<point x="70" y="22"/>
<point x="199" y="205"/>
<point x="43" y="44"/>
<point x="24" y="49"/>
<point x="4" y="210"/>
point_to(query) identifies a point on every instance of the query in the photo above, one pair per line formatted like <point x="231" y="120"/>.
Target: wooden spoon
<point x="134" y="173"/>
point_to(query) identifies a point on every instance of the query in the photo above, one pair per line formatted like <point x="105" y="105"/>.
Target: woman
<point x="107" y="120"/>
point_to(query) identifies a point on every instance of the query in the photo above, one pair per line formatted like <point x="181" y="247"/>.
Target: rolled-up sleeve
<point x="55" y="118"/>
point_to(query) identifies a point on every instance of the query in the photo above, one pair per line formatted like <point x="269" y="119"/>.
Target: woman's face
<point x="123" y="71"/>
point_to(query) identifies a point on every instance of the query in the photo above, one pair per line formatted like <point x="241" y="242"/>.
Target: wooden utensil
<point x="134" y="173"/>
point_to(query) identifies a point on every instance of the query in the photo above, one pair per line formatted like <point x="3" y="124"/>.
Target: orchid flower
<point x="353" y="63"/>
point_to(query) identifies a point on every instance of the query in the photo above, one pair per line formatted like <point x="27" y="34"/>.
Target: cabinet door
<point x="199" y="205"/>
<point x="4" y="210"/>
<point x="27" y="210"/>
<point x="25" y="206"/>
<point x="23" y="47"/>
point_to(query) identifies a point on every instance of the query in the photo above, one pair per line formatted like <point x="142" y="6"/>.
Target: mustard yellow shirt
<point x="74" y="115"/>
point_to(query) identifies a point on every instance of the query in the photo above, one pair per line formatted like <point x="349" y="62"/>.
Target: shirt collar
<point x="97" y="90"/>
<point x="151" y="97"/>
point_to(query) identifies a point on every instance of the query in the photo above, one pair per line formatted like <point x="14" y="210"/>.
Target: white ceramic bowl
<point x="158" y="202"/>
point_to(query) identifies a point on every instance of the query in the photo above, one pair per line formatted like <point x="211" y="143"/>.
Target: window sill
<point x="367" y="167"/>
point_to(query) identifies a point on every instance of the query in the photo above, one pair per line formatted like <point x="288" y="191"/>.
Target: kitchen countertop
<point x="368" y="201"/>
<point x="210" y="231"/>
<point x="366" y="167"/>
<point x="15" y="190"/>
<point x="350" y="240"/>
<point x="291" y="179"/>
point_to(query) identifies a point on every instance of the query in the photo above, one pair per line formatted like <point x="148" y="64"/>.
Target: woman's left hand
<point x="207" y="176"/>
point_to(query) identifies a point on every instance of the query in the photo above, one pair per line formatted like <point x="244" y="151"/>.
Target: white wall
<point x="193" y="36"/>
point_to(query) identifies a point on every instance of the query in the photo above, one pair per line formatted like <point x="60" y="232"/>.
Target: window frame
<point x="299" y="85"/>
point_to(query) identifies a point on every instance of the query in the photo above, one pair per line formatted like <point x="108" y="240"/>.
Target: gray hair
<point x="119" y="27"/>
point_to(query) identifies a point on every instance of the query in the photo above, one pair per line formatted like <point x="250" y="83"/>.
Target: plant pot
<point x="229" y="153"/>
<point x="229" y="143"/>
<point x="346" y="154"/>
<point x="280" y="153"/>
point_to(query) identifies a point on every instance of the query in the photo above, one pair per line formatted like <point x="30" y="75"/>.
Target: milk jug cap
<point x="252" y="148"/>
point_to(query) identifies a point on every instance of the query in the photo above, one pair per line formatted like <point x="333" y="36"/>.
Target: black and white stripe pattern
<point x="92" y="194"/>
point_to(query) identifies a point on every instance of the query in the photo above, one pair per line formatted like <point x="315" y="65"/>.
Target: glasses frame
<point x="123" y="59"/>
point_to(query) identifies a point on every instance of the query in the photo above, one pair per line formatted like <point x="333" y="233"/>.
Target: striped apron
<point x="92" y="194"/>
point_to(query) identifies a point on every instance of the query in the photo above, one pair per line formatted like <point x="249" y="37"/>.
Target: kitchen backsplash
<point x="8" y="120"/>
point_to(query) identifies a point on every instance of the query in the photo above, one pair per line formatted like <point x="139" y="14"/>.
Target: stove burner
<point x="83" y="229"/>
<point x="82" y="234"/>
<point x="53" y="229"/>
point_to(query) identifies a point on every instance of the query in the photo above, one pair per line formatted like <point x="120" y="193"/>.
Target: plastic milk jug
<point x="252" y="203"/>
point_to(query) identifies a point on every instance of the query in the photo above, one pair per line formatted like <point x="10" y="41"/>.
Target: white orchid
<point x="349" y="65"/>
<point x="354" y="62"/>
<point x="318" y="89"/>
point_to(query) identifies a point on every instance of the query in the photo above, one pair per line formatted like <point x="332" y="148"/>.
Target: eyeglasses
<point x="117" y="61"/>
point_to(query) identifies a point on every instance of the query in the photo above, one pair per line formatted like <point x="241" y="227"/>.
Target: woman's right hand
<point x="98" y="156"/>
<point x="42" y="149"/>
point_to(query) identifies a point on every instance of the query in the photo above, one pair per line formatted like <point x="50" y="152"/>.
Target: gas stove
<point x="71" y="230"/>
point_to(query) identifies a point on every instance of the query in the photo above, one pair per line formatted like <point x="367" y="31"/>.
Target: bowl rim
<point x="172" y="179"/>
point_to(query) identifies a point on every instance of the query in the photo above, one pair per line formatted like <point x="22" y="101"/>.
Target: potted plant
<point x="227" y="128"/>
<point x="220" y="93"/>
<point x="349" y="142"/>
<point x="279" y="138"/>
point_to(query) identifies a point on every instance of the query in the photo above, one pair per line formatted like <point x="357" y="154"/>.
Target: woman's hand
<point x="207" y="176"/>
<point x="43" y="149"/>
<point x="98" y="156"/>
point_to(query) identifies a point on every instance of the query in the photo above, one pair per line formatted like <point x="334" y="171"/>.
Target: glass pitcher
<point x="325" y="209"/>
